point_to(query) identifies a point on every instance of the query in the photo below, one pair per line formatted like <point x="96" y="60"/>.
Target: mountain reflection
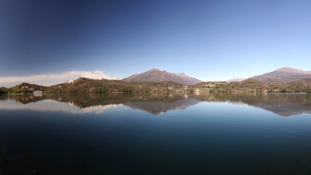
<point x="158" y="107"/>
<point x="281" y="104"/>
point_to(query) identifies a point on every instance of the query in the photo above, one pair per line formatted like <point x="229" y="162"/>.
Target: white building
<point x="37" y="93"/>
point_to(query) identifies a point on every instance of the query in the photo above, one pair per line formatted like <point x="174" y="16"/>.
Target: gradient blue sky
<point x="209" y="40"/>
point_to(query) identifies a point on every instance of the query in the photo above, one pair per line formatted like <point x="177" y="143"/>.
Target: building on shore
<point x="37" y="93"/>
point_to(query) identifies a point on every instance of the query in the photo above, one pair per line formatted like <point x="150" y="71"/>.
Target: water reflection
<point x="200" y="140"/>
<point x="158" y="107"/>
<point x="281" y="104"/>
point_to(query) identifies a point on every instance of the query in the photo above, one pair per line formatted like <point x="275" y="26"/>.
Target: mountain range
<point x="279" y="76"/>
<point x="283" y="75"/>
<point x="281" y="80"/>
<point x="157" y="75"/>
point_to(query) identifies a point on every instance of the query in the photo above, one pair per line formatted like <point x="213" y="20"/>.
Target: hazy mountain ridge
<point x="236" y="79"/>
<point x="284" y="75"/>
<point x="157" y="75"/>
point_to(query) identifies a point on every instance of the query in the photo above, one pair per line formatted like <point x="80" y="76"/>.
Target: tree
<point x="3" y="90"/>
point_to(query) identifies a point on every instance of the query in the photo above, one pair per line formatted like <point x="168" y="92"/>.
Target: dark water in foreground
<point x="156" y="134"/>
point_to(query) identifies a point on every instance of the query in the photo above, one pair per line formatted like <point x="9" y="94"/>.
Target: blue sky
<point x="209" y="40"/>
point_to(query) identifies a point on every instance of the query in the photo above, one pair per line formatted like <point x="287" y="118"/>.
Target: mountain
<point x="157" y="75"/>
<point x="189" y="80"/>
<point x="236" y="79"/>
<point x="284" y="75"/>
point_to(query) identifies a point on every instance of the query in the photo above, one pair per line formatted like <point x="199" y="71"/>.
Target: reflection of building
<point x="37" y="93"/>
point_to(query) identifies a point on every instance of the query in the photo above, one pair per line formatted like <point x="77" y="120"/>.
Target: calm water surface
<point x="155" y="134"/>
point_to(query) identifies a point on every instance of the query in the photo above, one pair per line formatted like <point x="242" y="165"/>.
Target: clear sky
<point x="209" y="40"/>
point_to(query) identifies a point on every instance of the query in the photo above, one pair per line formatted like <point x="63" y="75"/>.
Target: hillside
<point x="283" y="75"/>
<point x="188" y="80"/>
<point x="254" y="85"/>
<point x="22" y="88"/>
<point x="157" y="75"/>
<point x="86" y="85"/>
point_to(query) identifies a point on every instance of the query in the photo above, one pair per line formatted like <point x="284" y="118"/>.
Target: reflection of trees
<point x="26" y="98"/>
<point x="88" y="100"/>
<point x="282" y="104"/>
<point x="93" y="99"/>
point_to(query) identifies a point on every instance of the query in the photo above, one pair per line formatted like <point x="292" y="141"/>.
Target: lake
<point x="213" y="133"/>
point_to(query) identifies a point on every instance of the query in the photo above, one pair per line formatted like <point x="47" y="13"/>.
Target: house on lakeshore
<point x="37" y="93"/>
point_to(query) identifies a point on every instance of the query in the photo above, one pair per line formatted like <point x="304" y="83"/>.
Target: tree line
<point x="3" y="90"/>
